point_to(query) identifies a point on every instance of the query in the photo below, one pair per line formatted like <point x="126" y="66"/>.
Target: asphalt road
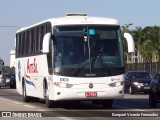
<point x="132" y="105"/>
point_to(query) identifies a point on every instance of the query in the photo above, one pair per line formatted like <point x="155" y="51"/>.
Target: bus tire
<point x="49" y="103"/>
<point x="107" y="104"/>
<point x="25" y="97"/>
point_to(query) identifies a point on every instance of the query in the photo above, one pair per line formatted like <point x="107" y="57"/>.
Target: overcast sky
<point x="22" y="13"/>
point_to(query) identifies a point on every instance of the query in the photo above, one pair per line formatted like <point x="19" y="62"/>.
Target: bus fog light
<point x="58" y="93"/>
<point x="121" y="92"/>
<point x="63" y="85"/>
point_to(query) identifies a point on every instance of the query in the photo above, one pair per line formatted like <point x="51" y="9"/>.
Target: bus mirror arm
<point x="130" y="42"/>
<point x="46" y="39"/>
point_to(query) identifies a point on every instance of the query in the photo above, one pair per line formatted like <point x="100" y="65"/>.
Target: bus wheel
<point x="49" y="103"/>
<point x="107" y="104"/>
<point x="25" y="97"/>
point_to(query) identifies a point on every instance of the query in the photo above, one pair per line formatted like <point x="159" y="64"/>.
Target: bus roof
<point x="76" y="19"/>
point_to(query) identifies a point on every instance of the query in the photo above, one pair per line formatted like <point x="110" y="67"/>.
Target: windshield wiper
<point x="77" y="69"/>
<point x="99" y="59"/>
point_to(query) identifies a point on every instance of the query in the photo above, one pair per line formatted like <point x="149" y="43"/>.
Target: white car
<point x="2" y="81"/>
<point x="5" y="79"/>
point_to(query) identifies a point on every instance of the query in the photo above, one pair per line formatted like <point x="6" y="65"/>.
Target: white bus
<point x="75" y="57"/>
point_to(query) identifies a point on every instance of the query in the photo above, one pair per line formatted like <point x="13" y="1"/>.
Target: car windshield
<point x="6" y="75"/>
<point x="141" y="75"/>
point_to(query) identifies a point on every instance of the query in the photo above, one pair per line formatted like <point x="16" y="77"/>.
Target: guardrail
<point x="151" y="67"/>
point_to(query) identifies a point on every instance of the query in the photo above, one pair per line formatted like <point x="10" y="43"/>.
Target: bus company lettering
<point x="32" y="67"/>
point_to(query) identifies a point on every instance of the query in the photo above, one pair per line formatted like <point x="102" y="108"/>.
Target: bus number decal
<point x="32" y="67"/>
<point x="64" y="80"/>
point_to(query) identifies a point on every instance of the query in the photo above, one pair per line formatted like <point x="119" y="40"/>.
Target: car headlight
<point x="116" y="84"/>
<point x="63" y="85"/>
<point x="138" y="84"/>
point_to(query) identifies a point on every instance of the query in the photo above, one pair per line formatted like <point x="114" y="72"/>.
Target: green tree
<point x="7" y="69"/>
<point x="147" y="41"/>
<point x="147" y="50"/>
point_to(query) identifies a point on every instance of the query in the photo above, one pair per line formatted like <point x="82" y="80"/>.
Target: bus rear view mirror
<point x="130" y="42"/>
<point x="46" y="39"/>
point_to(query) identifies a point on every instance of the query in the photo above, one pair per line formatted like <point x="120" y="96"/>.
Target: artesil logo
<point x="32" y="67"/>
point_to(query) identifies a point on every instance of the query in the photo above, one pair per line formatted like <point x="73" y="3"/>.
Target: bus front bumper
<point x="87" y="94"/>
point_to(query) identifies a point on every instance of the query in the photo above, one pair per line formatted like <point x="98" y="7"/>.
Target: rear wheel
<point x="25" y="97"/>
<point x="152" y="102"/>
<point x="107" y="104"/>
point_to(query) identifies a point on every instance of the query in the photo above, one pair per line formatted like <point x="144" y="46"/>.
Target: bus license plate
<point x="91" y="94"/>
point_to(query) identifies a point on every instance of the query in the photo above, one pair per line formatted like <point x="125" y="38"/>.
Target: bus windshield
<point x="94" y="50"/>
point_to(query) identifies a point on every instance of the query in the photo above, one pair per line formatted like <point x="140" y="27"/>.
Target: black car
<point x="154" y="93"/>
<point x="8" y="80"/>
<point x="137" y="81"/>
<point x="12" y="81"/>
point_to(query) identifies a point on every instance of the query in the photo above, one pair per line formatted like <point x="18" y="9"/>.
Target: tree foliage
<point x="147" y="40"/>
<point x="7" y="69"/>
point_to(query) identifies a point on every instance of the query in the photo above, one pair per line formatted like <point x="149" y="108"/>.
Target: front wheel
<point x="49" y="103"/>
<point x="107" y="104"/>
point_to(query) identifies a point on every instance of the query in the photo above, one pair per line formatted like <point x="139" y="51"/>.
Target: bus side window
<point x="41" y="38"/>
<point x="27" y="41"/>
<point x="17" y="45"/>
<point x="37" y="40"/>
<point x="22" y="43"/>
<point x="20" y="46"/>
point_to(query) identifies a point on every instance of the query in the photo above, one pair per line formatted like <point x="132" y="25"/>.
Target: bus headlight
<point x="116" y="84"/>
<point x="63" y="85"/>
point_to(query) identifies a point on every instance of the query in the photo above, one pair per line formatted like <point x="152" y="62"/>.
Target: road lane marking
<point x="66" y="118"/>
<point x="19" y="103"/>
<point x="4" y="99"/>
<point x="29" y="106"/>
